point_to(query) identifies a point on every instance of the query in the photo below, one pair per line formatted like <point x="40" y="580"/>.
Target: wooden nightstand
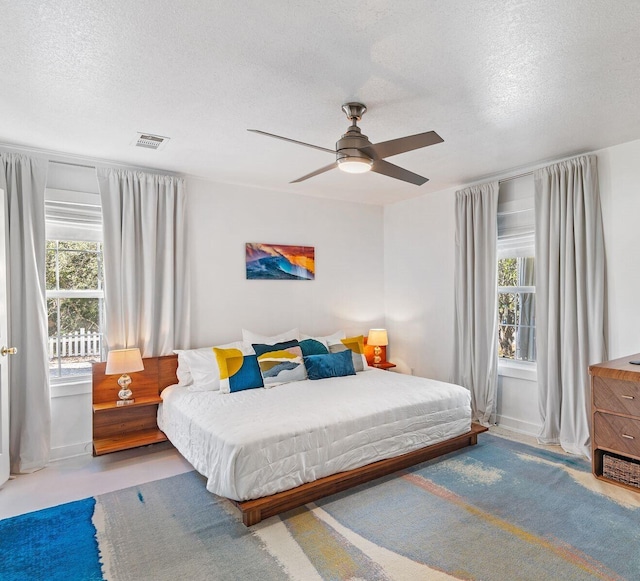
<point x="385" y="365"/>
<point x="130" y="426"/>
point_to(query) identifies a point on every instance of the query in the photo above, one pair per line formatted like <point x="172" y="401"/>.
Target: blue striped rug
<point x="498" y="511"/>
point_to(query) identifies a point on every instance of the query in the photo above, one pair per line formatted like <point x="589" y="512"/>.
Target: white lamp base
<point x="125" y="393"/>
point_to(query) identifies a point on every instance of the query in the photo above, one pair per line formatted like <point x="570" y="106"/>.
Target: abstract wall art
<point x="280" y="262"/>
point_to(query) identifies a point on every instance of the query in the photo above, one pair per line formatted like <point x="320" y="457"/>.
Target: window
<point x="516" y="309"/>
<point x="74" y="283"/>
<point x="75" y="304"/>
<point x="516" y="271"/>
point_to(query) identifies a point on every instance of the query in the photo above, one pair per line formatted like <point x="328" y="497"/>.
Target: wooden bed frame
<point x="253" y="511"/>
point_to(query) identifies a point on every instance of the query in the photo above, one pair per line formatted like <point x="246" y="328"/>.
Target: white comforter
<point x="258" y="442"/>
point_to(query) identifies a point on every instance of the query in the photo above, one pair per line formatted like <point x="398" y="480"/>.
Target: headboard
<point x="159" y="372"/>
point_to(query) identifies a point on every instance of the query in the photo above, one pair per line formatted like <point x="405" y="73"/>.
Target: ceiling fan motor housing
<point x="348" y="147"/>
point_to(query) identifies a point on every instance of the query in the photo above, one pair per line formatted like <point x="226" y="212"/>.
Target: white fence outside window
<point x="77" y="344"/>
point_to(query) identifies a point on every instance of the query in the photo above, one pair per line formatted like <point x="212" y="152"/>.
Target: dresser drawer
<point x="616" y="433"/>
<point x="616" y="395"/>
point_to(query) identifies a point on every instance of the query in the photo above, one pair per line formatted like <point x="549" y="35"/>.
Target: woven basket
<point x="625" y="471"/>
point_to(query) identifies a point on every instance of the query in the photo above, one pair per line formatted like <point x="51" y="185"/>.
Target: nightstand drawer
<point x="616" y="395"/>
<point x="617" y="433"/>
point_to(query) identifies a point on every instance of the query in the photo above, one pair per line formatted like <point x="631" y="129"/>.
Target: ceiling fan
<point x="356" y="154"/>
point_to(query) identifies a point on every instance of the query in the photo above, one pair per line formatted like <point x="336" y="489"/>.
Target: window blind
<point x="516" y="218"/>
<point x="71" y="215"/>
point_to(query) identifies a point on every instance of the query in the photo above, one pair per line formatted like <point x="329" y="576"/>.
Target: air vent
<point x="150" y="141"/>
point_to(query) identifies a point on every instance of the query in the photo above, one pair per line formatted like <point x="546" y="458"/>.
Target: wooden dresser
<point x="615" y="389"/>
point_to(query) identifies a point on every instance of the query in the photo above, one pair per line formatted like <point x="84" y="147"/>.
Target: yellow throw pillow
<point x="356" y="344"/>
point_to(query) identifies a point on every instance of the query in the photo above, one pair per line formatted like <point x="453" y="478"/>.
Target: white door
<point x="4" y="367"/>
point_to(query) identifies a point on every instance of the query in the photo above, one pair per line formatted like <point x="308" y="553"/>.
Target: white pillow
<point x="250" y="337"/>
<point x="202" y="366"/>
<point x="328" y="339"/>
<point x="183" y="373"/>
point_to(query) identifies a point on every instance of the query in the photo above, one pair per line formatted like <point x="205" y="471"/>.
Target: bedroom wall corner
<point x="347" y="293"/>
<point x="419" y="294"/>
<point x="419" y="237"/>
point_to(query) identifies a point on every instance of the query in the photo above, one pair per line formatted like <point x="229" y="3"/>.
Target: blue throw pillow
<point x="329" y="365"/>
<point x="313" y="347"/>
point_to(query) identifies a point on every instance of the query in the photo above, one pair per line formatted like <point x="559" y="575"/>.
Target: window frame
<point x="58" y="293"/>
<point x="516" y="239"/>
<point x="517" y="290"/>
<point x="74" y="216"/>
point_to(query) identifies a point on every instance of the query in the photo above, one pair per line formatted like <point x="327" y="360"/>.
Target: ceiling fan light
<point x="358" y="165"/>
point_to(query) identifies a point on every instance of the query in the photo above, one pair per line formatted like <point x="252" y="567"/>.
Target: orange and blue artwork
<point x="280" y="262"/>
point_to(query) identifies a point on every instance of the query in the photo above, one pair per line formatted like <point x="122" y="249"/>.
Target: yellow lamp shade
<point x="377" y="337"/>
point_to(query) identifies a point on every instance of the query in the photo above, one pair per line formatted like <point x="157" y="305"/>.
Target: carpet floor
<point x="499" y="511"/>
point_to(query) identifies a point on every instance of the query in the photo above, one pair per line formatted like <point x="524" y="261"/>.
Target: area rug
<point x="499" y="511"/>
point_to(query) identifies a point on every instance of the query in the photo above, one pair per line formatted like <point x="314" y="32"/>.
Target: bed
<point x="270" y="450"/>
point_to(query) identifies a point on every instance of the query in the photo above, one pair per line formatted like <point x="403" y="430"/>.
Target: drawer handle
<point x="627" y="397"/>
<point x="628" y="437"/>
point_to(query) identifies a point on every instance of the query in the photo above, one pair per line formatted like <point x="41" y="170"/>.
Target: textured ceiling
<point x="505" y="83"/>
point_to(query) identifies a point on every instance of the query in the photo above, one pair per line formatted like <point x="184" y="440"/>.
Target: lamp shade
<point x="377" y="337"/>
<point x="124" y="361"/>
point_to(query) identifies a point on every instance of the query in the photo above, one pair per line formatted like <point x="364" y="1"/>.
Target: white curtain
<point x="570" y="274"/>
<point x="145" y="262"/>
<point x="476" y="293"/>
<point x="24" y="180"/>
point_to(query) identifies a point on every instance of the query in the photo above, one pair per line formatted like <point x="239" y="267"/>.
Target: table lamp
<point x="377" y="338"/>
<point x="124" y="361"/>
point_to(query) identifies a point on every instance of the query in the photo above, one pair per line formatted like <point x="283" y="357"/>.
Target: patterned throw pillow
<point x="237" y="371"/>
<point x="356" y="346"/>
<point x="280" y="363"/>
<point x="313" y="347"/>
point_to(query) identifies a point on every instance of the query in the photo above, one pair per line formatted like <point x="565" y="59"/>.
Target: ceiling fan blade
<point x="393" y="171"/>
<point x="401" y="145"/>
<point x="292" y="141"/>
<point x="315" y="173"/>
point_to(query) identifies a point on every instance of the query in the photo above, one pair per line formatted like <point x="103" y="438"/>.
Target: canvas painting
<point x="280" y="262"/>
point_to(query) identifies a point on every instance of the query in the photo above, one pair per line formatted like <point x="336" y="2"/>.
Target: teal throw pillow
<point x="329" y="365"/>
<point x="312" y="347"/>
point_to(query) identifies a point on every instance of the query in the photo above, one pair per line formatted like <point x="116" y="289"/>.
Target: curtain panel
<point x="145" y="261"/>
<point x="23" y="180"/>
<point x="476" y="292"/>
<point x="570" y="303"/>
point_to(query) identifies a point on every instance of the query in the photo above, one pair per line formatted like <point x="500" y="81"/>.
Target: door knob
<point x="8" y="351"/>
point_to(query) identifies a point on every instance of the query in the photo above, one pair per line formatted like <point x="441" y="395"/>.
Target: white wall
<point x="359" y="278"/>
<point x="71" y="420"/>
<point x="419" y="300"/>
<point x="347" y="292"/>
<point x="419" y="267"/>
<point x="419" y="259"/>
<point x="619" y="173"/>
